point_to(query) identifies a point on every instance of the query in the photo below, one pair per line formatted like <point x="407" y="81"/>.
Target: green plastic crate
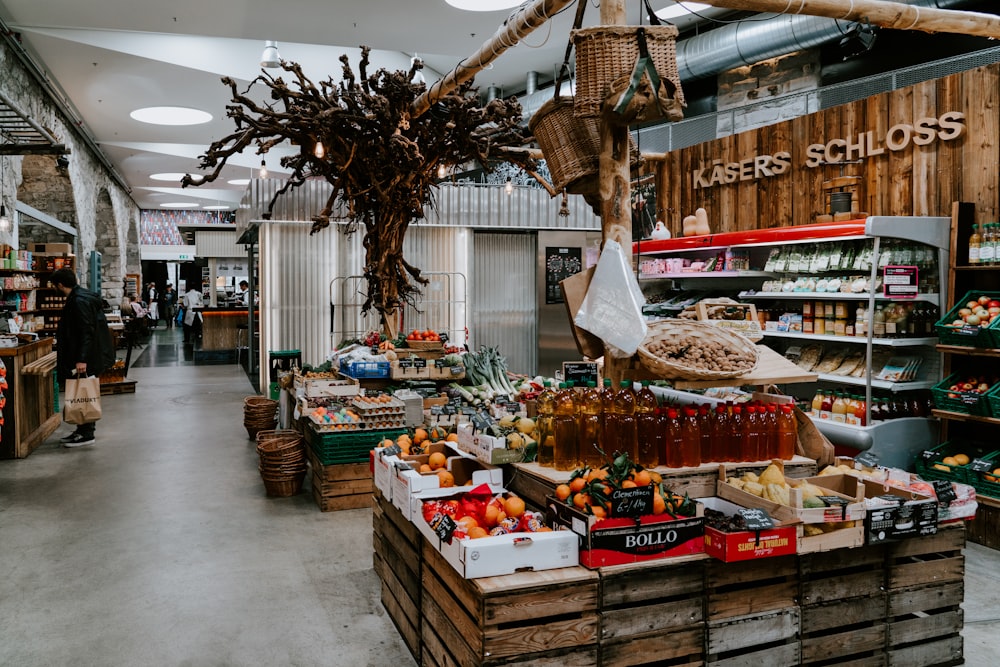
<point x="981" y="480"/>
<point x="349" y="447"/>
<point x="967" y="403"/>
<point x="926" y="460"/>
<point x="985" y="337"/>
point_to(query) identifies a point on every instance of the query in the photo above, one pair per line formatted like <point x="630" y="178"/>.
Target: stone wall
<point x="83" y="194"/>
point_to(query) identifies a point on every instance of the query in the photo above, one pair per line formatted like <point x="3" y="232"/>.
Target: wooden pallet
<point x="769" y="638"/>
<point x="342" y="486"/>
<point x="114" y="388"/>
<point x="750" y="587"/>
<point x="925" y="592"/>
<point x="397" y="561"/>
<point x="530" y="618"/>
<point x="653" y="614"/>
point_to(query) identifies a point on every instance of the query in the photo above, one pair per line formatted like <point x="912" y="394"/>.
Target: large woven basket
<point x="607" y="53"/>
<point x="571" y="146"/>
<point x="679" y="369"/>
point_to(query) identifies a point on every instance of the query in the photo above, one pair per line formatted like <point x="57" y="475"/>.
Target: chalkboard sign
<point x="443" y="335"/>
<point x="634" y="502"/>
<point x="580" y="372"/>
<point x="437" y="409"/>
<point x="468" y="410"/>
<point x="944" y="490"/>
<point x="980" y="465"/>
<point x="513" y="408"/>
<point x="756" y="519"/>
<point x="450" y="410"/>
<point x="375" y="351"/>
<point x="928" y="455"/>
<point x="837" y="501"/>
<point x="481" y="422"/>
<point x="443" y="526"/>
<point x="393" y="450"/>
<point x="419" y="363"/>
<point x="439" y="363"/>
<point x="457" y="370"/>
<point x="406" y="363"/>
<point x="867" y="459"/>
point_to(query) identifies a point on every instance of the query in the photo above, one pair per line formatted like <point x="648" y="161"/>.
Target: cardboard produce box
<point x="781" y="540"/>
<point x="845" y="500"/>
<point x="896" y="514"/>
<point x="410" y="487"/>
<point x="487" y="448"/>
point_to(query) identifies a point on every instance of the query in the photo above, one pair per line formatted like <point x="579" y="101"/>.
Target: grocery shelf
<point x="884" y="342"/>
<point x="962" y="417"/>
<point x="989" y="501"/>
<point x="931" y="297"/>
<point x="969" y="351"/>
<point x="689" y="275"/>
<point x="878" y="384"/>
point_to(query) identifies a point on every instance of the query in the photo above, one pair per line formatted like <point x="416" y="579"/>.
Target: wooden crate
<point x="653" y="613"/>
<point x="342" y="486"/>
<point x="985" y="528"/>
<point x="925" y="591"/>
<point x="750" y="587"/>
<point x="397" y="560"/>
<point x="769" y="638"/>
<point x="532" y="618"/>
<point x="851" y="631"/>
<point x="845" y="573"/>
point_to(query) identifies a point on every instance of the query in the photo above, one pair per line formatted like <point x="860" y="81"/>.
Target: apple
<point x="964" y="312"/>
<point x="983" y="388"/>
<point x="954" y="387"/>
<point x="994" y="311"/>
<point x="983" y="300"/>
<point x="993" y="304"/>
<point x="972" y="305"/>
<point x="972" y="320"/>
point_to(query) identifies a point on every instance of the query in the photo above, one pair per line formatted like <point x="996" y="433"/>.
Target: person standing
<point x="169" y="302"/>
<point x="192" y="319"/>
<point x="153" y="299"/>
<point x="244" y="294"/>
<point x="83" y="341"/>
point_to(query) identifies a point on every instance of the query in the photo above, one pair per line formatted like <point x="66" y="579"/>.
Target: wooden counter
<point x="220" y="327"/>
<point x="29" y="412"/>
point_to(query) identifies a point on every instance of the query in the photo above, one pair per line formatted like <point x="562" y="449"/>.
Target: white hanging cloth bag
<point x="612" y="308"/>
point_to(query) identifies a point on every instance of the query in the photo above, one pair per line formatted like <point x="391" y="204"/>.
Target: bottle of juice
<point x="673" y="446"/>
<point x="787" y="433"/>
<point x="738" y="434"/>
<point x="826" y="411"/>
<point x="607" y="400"/>
<point x="860" y="408"/>
<point x="771" y="432"/>
<point x="647" y="425"/>
<point x="974" y="242"/>
<point x="707" y="448"/>
<point x="987" y="247"/>
<point x="752" y="439"/>
<point x="838" y="411"/>
<point x="565" y="455"/>
<point x="817" y="404"/>
<point x="545" y="404"/>
<point x="588" y="426"/>
<point x="622" y="421"/>
<point x="690" y="438"/>
<point x="721" y="451"/>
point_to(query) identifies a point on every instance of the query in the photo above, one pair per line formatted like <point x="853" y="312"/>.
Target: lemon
<point x="963" y="459"/>
<point x="949" y="461"/>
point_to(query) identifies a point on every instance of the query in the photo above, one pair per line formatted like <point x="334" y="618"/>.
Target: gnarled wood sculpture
<point x="381" y="160"/>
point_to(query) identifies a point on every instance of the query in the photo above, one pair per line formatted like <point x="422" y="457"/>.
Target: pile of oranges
<point x="411" y="445"/>
<point x="588" y="488"/>
<point x="427" y="334"/>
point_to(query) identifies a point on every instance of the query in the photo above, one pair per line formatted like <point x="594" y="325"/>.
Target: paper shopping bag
<point x="82" y="401"/>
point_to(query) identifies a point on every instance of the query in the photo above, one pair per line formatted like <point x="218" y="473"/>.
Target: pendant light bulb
<point x="442" y="172"/>
<point x="509" y="187"/>
<point x="319" y="151"/>
<point x="5" y="224"/>
<point x="263" y="169"/>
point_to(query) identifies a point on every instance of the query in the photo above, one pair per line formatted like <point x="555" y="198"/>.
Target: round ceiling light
<point x="171" y="116"/>
<point x="483" y="5"/>
<point x="175" y="176"/>
<point x="180" y="204"/>
<point x="239" y="181"/>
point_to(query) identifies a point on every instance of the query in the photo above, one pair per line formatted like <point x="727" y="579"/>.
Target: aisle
<point x="157" y="546"/>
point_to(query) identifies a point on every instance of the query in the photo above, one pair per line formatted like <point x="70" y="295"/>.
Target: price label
<point x="443" y="335"/>
<point x="867" y="459"/>
<point x="406" y="363"/>
<point x="450" y="410"/>
<point x="375" y="351"/>
<point x="439" y="363"/>
<point x="513" y="408"/>
<point x="481" y="422"/>
<point x="837" y="501"/>
<point x="394" y="450"/>
<point x="437" y="409"/>
<point x="420" y="363"/>
<point x="580" y="372"/>
<point x="970" y="399"/>
<point x="456" y="401"/>
<point x="443" y="526"/>
<point x="457" y="370"/>
<point x="633" y="502"/>
<point x="928" y="455"/>
<point x="944" y="490"/>
<point x="756" y="519"/>
<point x="980" y="465"/>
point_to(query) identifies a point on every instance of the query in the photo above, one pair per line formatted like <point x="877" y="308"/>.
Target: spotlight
<point x="270" y="57"/>
<point x="858" y="40"/>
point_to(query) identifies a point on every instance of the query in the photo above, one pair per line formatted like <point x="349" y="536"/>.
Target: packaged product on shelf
<point x="728" y="537"/>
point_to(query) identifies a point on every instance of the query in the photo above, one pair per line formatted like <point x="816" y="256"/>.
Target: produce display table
<point x="893" y="604"/>
<point x="29" y="412"/>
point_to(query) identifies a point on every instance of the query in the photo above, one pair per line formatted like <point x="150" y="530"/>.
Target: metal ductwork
<point x="744" y="43"/>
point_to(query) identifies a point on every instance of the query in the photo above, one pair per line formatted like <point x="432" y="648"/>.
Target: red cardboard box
<point x="746" y="545"/>
<point x="620" y="541"/>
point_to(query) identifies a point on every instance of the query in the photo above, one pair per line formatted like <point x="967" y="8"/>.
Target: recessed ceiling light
<point x="171" y="116"/>
<point x="216" y="207"/>
<point x="180" y="204"/>
<point x="679" y="9"/>
<point x="239" y="181"/>
<point x="483" y="5"/>
<point x="175" y="176"/>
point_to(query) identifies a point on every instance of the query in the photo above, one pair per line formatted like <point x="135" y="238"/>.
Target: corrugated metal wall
<point x="217" y="244"/>
<point x="503" y="297"/>
<point x="477" y="205"/>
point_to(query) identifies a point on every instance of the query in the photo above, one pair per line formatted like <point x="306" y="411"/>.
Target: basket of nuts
<point x="690" y="350"/>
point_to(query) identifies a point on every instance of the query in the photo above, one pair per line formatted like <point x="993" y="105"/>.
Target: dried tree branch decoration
<point x="380" y="160"/>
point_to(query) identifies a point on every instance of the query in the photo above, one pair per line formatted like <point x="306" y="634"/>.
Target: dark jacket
<point x="83" y="335"/>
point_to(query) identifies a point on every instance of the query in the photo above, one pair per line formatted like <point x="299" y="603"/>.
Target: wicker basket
<point x="677" y="369"/>
<point x="605" y="54"/>
<point x="425" y="344"/>
<point x="284" y="487"/>
<point x="571" y="146"/>
<point x="259" y="414"/>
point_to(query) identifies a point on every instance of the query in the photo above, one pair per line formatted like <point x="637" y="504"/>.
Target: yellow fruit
<point x="950" y="461"/>
<point x="477" y="532"/>
<point x="963" y="459"/>
<point x="513" y="506"/>
<point x="771" y="475"/>
<point x="437" y="460"/>
<point x="943" y="468"/>
<point x="446" y="479"/>
<point x="563" y="491"/>
<point x="425" y="468"/>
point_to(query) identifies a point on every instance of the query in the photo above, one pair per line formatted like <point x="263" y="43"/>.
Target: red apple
<point x="968" y="386"/>
<point x="957" y="323"/>
<point x="993" y="303"/>
<point x="994" y="311"/>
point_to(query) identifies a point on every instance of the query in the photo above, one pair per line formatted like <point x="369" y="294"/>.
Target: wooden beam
<point x="878" y="12"/>
<point x="34" y="149"/>
<point x="514" y="29"/>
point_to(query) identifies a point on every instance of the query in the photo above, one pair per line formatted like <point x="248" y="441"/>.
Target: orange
<point x="950" y="461"/>
<point x="563" y="491"/>
<point x="963" y="459"/>
<point x="419" y="436"/>
<point x="599" y="473"/>
<point x="425" y="468"/>
<point x="581" y="500"/>
<point x="446" y="479"/>
<point x="452" y="437"/>
<point x="655" y="476"/>
<point x="642" y="478"/>
<point x="659" y="504"/>
<point x="437" y="460"/>
<point x="387" y="443"/>
<point x="513" y="506"/>
<point x="491" y="517"/>
<point x="477" y="531"/>
<point x="629" y="484"/>
<point x="576" y="486"/>
<point x="598" y="511"/>
<point x="469" y="522"/>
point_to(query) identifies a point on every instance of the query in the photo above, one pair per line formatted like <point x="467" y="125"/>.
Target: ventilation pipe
<point x="531" y="83"/>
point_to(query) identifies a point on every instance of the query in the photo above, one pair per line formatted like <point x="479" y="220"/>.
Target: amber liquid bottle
<point x="621" y="421"/>
<point x="566" y="456"/>
<point x="738" y="434"/>
<point x="690" y="438"/>
<point x="673" y="439"/>
<point x="787" y="433"/>
<point x="607" y="393"/>
<point x="705" y="419"/>
<point x="545" y="404"/>
<point x="720" y="435"/>
<point x="647" y="422"/>
<point x="589" y="427"/>
<point x="753" y="429"/>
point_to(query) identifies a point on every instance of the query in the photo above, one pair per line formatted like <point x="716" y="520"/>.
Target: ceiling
<point x="110" y="57"/>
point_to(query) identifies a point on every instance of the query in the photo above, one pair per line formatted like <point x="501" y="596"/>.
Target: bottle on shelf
<point x="690" y="439"/>
<point x="719" y="451"/>
<point x="674" y="450"/>
<point x="975" y="240"/>
<point x="545" y="405"/>
<point x="565" y="455"/>
<point x="770" y="439"/>
<point x="705" y="419"/>
<point x="860" y="408"/>
<point x="878" y="324"/>
<point x="623" y="436"/>
<point x="817" y="404"/>
<point x="826" y="410"/>
<point x="860" y="321"/>
<point x="589" y="426"/>
<point x="738" y="437"/>
<point x="987" y="246"/>
<point x="787" y="433"/>
<point x="648" y="427"/>
<point x="607" y="401"/>
<point x="838" y="411"/>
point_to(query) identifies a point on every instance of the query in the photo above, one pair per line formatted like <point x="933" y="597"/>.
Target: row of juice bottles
<point x="587" y="426"/>
<point x="850" y="408"/>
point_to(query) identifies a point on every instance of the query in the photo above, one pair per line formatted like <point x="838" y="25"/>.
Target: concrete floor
<point x="157" y="546"/>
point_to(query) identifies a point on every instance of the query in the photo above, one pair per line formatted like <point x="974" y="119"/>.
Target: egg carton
<point x="368" y="408"/>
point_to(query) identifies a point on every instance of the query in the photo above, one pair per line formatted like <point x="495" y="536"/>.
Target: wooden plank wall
<point x="919" y="180"/>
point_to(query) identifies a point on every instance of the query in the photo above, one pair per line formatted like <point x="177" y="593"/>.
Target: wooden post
<point x="878" y="12"/>
<point x="614" y="180"/>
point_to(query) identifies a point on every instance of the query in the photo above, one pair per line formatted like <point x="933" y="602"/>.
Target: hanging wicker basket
<point x="681" y="349"/>
<point x="606" y="54"/>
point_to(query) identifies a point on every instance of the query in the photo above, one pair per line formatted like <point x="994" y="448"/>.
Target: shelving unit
<point x="895" y="441"/>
